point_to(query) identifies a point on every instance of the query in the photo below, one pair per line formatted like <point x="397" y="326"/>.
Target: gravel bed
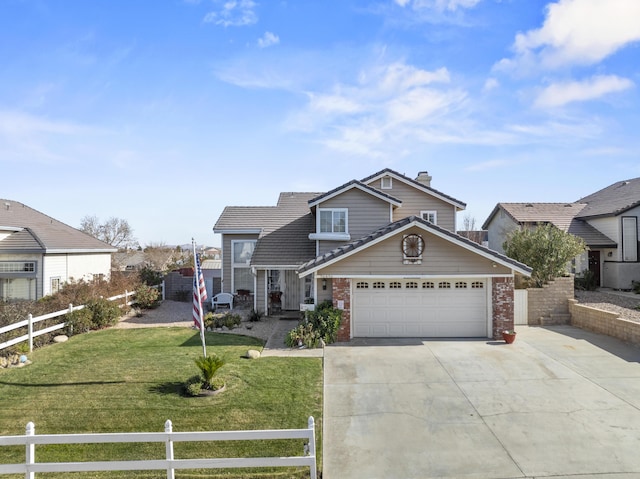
<point x="177" y="313"/>
<point x="624" y="304"/>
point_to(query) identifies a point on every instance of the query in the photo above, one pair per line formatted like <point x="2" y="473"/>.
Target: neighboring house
<point x="130" y="260"/>
<point x="383" y="249"/>
<point x="38" y="254"/>
<point x="212" y="273"/>
<point x="606" y="220"/>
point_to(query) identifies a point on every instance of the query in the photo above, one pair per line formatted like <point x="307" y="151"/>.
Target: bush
<point x="255" y="316"/>
<point x="321" y="324"/>
<point x="147" y="297"/>
<point x="228" y="320"/>
<point x="150" y="277"/>
<point x="635" y="286"/>
<point x="586" y="281"/>
<point x="78" y="322"/>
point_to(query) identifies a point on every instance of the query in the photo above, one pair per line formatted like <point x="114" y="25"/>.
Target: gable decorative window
<point x="412" y="249"/>
<point x="386" y="183"/>
<point x="241" y="277"/>
<point x="430" y="216"/>
<point x="629" y="238"/>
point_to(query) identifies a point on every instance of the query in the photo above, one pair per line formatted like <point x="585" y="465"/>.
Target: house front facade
<point x="38" y="254"/>
<point x="382" y="249"/>
<point x="606" y="220"/>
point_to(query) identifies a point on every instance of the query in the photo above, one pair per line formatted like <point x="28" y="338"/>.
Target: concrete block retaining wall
<point x="549" y="305"/>
<point x="603" y="322"/>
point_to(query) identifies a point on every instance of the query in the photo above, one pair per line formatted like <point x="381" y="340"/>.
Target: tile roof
<point x="564" y="216"/>
<point x="41" y="233"/>
<point x="613" y="200"/>
<point x="415" y="183"/>
<point x="355" y="184"/>
<point x="400" y="224"/>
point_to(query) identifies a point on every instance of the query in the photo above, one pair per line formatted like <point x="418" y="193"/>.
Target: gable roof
<point x="379" y="235"/>
<point x="351" y="185"/>
<point x="36" y="232"/>
<point x="262" y="220"/>
<point x="564" y="216"/>
<point x="613" y="200"/>
<point x="416" y="184"/>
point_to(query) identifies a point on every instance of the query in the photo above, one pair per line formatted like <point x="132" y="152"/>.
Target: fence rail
<point x="170" y="464"/>
<point x="31" y="321"/>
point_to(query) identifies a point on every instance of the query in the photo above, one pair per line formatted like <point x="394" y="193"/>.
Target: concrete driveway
<point x="560" y="402"/>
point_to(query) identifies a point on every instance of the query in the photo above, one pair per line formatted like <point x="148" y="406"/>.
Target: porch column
<point x="502" y="299"/>
<point x="341" y="289"/>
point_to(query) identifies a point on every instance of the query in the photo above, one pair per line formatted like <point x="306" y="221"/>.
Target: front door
<point x="594" y="265"/>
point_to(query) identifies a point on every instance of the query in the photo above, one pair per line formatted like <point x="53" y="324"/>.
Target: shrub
<point x="147" y="297"/>
<point x="255" y="315"/>
<point x="635" y="286"/>
<point x="326" y="321"/>
<point x="208" y="368"/>
<point x="229" y="320"/>
<point x="586" y="281"/>
<point x="78" y="322"/>
<point x="302" y="335"/>
<point x="104" y="313"/>
<point x="150" y="277"/>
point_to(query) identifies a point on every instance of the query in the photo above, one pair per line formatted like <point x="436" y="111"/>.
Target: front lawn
<point x="130" y="380"/>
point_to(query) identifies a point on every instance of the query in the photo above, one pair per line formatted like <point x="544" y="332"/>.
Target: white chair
<point x="222" y="298"/>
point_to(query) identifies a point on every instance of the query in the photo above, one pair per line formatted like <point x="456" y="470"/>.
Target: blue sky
<point x="163" y="112"/>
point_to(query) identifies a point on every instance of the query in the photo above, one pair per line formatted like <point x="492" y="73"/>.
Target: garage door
<point x="411" y="308"/>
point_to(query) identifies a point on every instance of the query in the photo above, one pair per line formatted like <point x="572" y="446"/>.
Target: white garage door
<point x="419" y="308"/>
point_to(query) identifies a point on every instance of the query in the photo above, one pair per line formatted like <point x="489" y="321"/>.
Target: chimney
<point x="424" y="178"/>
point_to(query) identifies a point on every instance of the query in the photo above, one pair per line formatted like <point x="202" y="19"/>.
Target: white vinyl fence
<point x="31" y="321"/>
<point x="520" y="307"/>
<point x="170" y="464"/>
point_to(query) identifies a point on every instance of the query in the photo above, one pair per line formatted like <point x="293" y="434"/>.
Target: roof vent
<point x="528" y="205"/>
<point x="7" y="205"/>
<point x="424" y="178"/>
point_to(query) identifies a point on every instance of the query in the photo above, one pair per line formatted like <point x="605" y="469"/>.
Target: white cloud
<point x="268" y="39"/>
<point x="233" y="13"/>
<point x="490" y="84"/>
<point x="576" y="32"/>
<point x="559" y="94"/>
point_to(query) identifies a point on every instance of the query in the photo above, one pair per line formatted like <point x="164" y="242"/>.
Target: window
<point x="241" y="253"/>
<point x="386" y="183"/>
<point x="461" y="284"/>
<point x="362" y="285"/>
<point x="428" y="285"/>
<point x="412" y="285"/>
<point x="431" y="216"/>
<point x="55" y="285"/>
<point x="395" y="285"/>
<point x="378" y="285"/>
<point x="477" y="285"/>
<point x="17" y="267"/>
<point x="333" y="221"/>
<point x="444" y="285"/>
<point x="629" y="238"/>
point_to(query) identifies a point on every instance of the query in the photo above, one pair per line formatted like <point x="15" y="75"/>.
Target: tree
<point x="546" y="249"/>
<point x="469" y="230"/>
<point x="159" y="256"/>
<point x="114" y="231"/>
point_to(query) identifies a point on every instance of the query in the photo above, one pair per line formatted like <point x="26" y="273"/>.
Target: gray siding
<point x="499" y="228"/>
<point x="414" y="201"/>
<point x="440" y="258"/>
<point x="226" y="257"/>
<point x="366" y="214"/>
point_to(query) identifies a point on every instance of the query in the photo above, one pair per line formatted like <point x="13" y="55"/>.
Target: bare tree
<point x="159" y="256"/>
<point x="114" y="231"/>
<point x="469" y="230"/>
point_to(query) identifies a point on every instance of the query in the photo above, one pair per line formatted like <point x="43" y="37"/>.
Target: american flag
<point x="199" y="294"/>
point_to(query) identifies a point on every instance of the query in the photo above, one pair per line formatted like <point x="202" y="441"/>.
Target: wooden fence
<point x="170" y="464"/>
<point x="31" y="321"/>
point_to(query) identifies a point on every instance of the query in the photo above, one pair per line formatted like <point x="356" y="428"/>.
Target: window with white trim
<point x="241" y="253"/>
<point x="386" y="183"/>
<point x="378" y="285"/>
<point x="55" y="285"/>
<point x="428" y="285"/>
<point x="431" y="216"/>
<point x="395" y="285"/>
<point x="332" y="220"/>
<point x="362" y="285"/>
<point x="17" y="266"/>
<point x="477" y="285"/>
<point x="629" y="238"/>
<point x="444" y="285"/>
<point x="461" y="284"/>
<point x="412" y="285"/>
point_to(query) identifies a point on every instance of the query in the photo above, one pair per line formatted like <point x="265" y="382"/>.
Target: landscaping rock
<point x="252" y="354"/>
<point x="61" y="338"/>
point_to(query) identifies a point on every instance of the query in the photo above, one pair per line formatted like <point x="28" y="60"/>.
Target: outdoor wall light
<point x="324" y="284"/>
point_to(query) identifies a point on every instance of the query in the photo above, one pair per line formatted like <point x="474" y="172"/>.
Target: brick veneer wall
<point x="603" y="322"/>
<point x="549" y="302"/>
<point x="342" y="292"/>
<point x="502" y="297"/>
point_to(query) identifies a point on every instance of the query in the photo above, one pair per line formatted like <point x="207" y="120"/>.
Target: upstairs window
<point x="430" y="216"/>
<point x="332" y="221"/>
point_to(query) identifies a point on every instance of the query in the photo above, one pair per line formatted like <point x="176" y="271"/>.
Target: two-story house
<point x="382" y="249"/>
<point x="38" y="254"/>
<point x="606" y="220"/>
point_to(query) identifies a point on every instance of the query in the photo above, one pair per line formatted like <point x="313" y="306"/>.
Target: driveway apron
<point x="559" y="402"/>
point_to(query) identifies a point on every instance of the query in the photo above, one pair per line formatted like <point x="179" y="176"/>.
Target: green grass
<point x="130" y="380"/>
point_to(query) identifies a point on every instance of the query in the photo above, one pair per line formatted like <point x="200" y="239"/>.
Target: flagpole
<point x="197" y="290"/>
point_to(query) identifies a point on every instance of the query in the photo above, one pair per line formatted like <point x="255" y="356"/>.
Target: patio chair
<point x="222" y="298"/>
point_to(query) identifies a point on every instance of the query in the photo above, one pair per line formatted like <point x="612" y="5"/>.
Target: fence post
<point x="312" y="447"/>
<point x="126" y="298"/>
<point x="30" y="452"/>
<point x="30" y="331"/>
<point x="168" y="428"/>
<point x="163" y="295"/>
